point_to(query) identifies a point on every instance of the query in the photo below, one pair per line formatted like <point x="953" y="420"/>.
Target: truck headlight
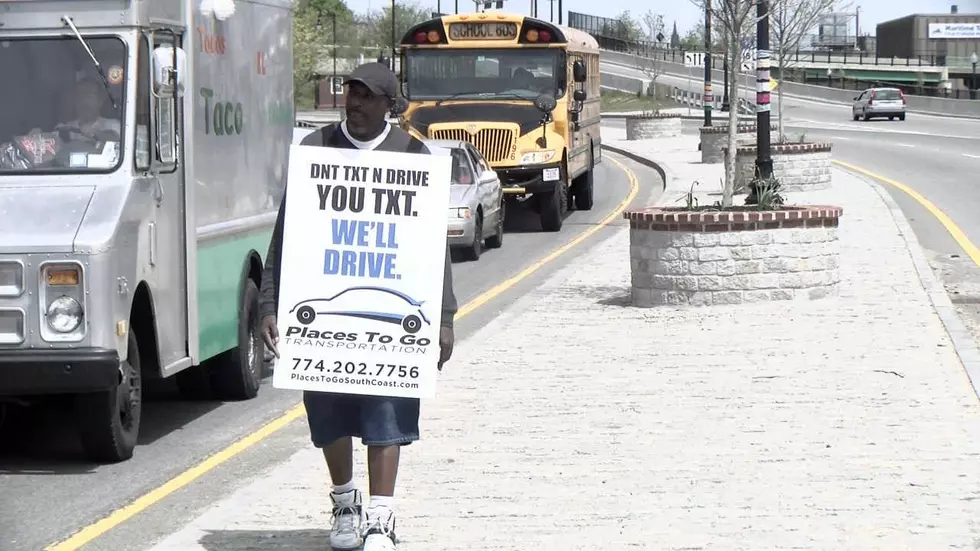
<point x="537" y="157"/>
<point x="64" y="314"/>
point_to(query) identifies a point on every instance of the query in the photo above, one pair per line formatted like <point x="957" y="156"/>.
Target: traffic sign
<point x="693" y="59"/>
<point x="748" y="60"/>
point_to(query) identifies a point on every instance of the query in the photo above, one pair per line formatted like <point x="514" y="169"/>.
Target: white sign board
<point x="954" y="30"/>
<point x="694" y="59"/>
<point x="748" y="60"/>
<point x="363" y="255"/>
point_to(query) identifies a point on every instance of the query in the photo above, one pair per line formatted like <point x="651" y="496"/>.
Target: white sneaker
<point x="345" y="532"/>
<point x="380" y="531"/>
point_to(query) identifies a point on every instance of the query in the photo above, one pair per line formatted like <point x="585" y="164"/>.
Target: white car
<point x="879" y="102"/>
<point x="379" y="304"/>
<point x="476" y="200"/>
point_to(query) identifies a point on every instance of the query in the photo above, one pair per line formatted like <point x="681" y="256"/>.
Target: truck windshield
<point x="500" y="74"/>
<point x="56" y="113"/>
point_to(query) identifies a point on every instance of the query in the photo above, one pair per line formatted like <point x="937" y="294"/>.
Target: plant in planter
<point x="700" y="255"/>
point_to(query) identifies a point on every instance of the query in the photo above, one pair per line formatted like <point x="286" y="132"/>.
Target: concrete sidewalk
<point x="575" y="422"/>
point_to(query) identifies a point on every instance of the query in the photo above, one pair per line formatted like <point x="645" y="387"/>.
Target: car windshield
<point x="888" y="95"/>
<point x="57" y="114"/>
<point x="497" y="74"/>
<point x="462" y="173"/>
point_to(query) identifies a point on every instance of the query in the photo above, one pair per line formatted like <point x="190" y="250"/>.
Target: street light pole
<point x="333" y="79"/>
<point x="973" y="81"/>
<point x="725" y="103"/>
<point x="708" y="98"/>
<point x="763" y="162"/>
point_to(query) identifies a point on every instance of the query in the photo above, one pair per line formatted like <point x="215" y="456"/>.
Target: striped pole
<point x="764" y="159"/>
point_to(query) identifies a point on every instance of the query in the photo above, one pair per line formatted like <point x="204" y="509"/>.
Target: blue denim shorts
<point x="376" y="420"/>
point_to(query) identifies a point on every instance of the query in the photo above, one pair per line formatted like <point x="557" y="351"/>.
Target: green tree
<point x="312" y="40"/>
<point x="378" y="27"/>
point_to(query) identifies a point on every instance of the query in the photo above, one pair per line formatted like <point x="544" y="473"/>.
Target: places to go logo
<point x="365" y="302"/>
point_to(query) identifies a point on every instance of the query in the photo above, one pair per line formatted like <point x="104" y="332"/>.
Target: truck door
<point x="166" y="263"/>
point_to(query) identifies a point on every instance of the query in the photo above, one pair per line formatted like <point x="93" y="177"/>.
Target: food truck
<point x="143" y="155"/>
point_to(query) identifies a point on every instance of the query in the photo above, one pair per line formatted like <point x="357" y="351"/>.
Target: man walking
<point x="383" y="423"/>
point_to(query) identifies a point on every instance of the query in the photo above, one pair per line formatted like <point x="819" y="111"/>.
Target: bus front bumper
<point x="530" y="179"/>
<point x="32" y="372"/>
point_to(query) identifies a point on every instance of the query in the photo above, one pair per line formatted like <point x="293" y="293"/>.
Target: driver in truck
<point x="90" y="97"/>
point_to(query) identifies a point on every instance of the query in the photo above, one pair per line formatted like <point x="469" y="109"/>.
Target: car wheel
<point x="496" y="240"/>
<point x="867" y="117"/>
<point x="305" y="315"/>
<point x="901" y="117"/>
<point x="109" y="421"/>
<point x="472" y="252"/>
<point x="856" y="116"/>
<point x="411" y="324"/>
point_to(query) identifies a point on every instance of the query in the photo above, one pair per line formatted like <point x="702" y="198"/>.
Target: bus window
<point x="504" y="73"/>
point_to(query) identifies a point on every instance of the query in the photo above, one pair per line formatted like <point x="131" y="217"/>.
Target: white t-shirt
<point x="366" y="145"/>
<point x="98" y="125"/>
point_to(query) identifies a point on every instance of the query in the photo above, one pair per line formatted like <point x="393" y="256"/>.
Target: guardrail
<point x="916" y="104"/>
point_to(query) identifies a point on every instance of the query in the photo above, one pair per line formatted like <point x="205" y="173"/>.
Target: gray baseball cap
<point x="377" y="77"/>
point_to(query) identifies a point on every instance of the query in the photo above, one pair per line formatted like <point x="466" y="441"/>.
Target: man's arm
<point x="269" y="291"/>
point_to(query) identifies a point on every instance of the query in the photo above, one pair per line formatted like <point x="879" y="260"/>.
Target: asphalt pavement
<point x="49" y="494"/>
<point x="937" y="157"/>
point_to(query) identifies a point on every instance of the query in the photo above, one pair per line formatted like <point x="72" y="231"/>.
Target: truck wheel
<point x="583" y="187"/>
<point x="553" y="206"/>
<point x="109" y="421"/>
<point x="236" y="374"/>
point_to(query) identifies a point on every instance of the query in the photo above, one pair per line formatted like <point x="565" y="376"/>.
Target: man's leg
<point x="333" y="420"/>
<point x="386" y="425"/>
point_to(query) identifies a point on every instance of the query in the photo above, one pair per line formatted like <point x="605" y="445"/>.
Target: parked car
<point x="879" y="102"/>
<point x="476" y="200"/>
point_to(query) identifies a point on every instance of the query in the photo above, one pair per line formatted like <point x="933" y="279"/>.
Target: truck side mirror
<point x="578" y="71"/>
<point x="169" y="65"/>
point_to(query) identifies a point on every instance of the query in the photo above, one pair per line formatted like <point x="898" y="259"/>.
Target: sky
<point x="686" y="14"/>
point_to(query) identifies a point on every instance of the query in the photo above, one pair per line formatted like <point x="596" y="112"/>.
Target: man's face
<point x="365" y="111"/>
<point x="88" y="101"/>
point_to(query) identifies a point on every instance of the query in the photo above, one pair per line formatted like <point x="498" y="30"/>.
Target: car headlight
<point x="536" y="157"/>
<point x="64" y="314"/>
<point x="461" y="212"/>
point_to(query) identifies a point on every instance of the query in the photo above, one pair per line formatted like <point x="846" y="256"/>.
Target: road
<point x="48" y="494"/>
<point x="938" y="157"/>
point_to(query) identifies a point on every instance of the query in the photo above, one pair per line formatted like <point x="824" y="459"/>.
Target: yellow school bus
<point x="523" y="91"/>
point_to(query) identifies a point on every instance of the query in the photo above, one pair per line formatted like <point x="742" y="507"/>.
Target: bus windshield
<point x="489" y="74"/>
<point x="57" y="113"/>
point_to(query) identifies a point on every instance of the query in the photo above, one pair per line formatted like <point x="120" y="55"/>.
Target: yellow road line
<point x="119" y="516"/>
<point x="954" y="231"/>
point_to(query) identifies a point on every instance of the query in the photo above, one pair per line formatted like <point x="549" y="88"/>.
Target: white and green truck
<point x="143" y="155"/>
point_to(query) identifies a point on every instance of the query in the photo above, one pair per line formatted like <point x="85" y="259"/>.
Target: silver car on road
<point x="476" y="200"/>
<point x="879" y="102"/>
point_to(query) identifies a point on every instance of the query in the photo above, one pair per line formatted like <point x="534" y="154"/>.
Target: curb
<point x="963" y="343"/>
<point x="665" y="173"/>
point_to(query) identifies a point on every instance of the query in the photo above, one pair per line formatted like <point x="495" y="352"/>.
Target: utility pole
<point x="725" y="103"/>
<point x="559" y="12"/>
<point x="393" y="35"/>
<point x="763" y="163"/>
<point x="333" y="80"/>
<point x="708" y="97"/>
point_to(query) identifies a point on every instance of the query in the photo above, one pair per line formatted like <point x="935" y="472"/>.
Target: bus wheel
<point x="235" y="375"/>
<point x="584" y="185"/>
<point x="553" y="205"/>
<point x="109" y="421"/>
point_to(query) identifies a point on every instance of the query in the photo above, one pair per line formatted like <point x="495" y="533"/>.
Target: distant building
<point x="939" y="39"/>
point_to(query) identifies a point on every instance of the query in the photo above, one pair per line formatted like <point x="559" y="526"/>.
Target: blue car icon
<point x="399" y="308"/>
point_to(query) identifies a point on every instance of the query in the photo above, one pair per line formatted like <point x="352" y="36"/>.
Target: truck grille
<point x="11" y="327"/>
<point x="11" y="279"/>
<point x="494" y="143"/>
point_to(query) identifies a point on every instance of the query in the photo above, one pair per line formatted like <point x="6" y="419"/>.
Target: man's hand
<point x="270" y="334"/>
<point x="446" y="341"/>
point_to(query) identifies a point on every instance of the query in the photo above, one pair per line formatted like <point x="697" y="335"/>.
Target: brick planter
<point x="644" y="127"/>
<point x="715" y="138"/>
<point x="798" y="166"/>
<point x="680" y="257"/>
